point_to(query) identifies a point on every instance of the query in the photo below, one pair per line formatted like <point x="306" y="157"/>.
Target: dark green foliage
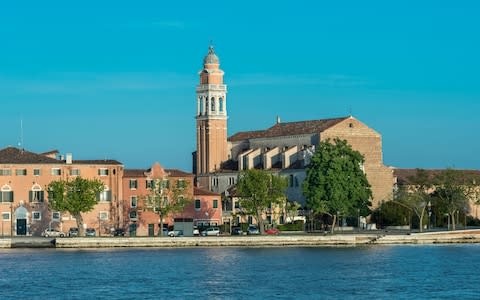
<point x="75" y="197"/>
<point x="296" y="226"/>
<point x="258" y="190"/>
<point x="335" y="182"/>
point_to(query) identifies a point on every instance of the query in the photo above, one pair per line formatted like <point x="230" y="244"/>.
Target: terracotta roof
<point x="178" y="173"/>
<point x="12" y="155"/>
<point x="404" y="175"/>
<point x="96" y="162"/>
<point x="134" y="173"/>
<point x="288" y="129"/>
<point x="199" y="191"/>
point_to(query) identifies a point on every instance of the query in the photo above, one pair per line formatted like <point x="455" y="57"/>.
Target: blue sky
<point x="116" y="79"/>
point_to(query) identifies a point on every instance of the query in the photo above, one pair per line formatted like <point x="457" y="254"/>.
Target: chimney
<point x="69" y="159"/>
<point x="278" y="120"/>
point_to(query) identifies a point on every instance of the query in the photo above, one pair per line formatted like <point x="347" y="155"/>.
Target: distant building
<point x="140" y="215"/>
<point x="284" y="149"/>
<point x="24" y="177"/>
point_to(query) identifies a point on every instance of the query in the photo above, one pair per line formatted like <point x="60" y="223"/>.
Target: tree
<point x="165" y="200"/>
<point x="75" y="197"/>
<point x="258" y="191"/>
<point x="335" y="182"/>
<point x="454" y="189"/>
<point x="417" y="195"/>
<point x="291" y="210"/>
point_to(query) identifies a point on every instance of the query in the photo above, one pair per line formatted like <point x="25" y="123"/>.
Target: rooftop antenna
<point x="350" y="110"/>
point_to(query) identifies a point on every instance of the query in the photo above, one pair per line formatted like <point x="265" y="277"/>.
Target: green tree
<point x="75" y="197"/>
<point x="454" y="190"/>
<point x="291" y="210"/>
<point x="416" y="194"/>
<point x="165" y="200"/>
<point x="335" y="182"/>
<point x="258" y="191"/>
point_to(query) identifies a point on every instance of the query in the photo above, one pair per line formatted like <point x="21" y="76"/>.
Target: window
<point x="197" y="204"/>
<point x="5" y="172"/>
<point x="36" y="196"/>
<point x="133" y="184"/>
<point x="102" y="172"/>
<point x="21" y="172"/>
<point x="181" y="183"/>
<point x="213" y="104"/>
<point x="250" y="220"/>
<point x="201" y="105"/>
<point x="149" y="184"/>
<point x="105" y="196"/>
<point x="282" y="219"/>
<point x="56" y="216"/>
<point x="5" y="216"/>
<point x="237" y="204"/>
<point x="133" y="201"/>
<point x="103" y="215"/>
<point x="36" y="216"/>
<point x="231" y="180"/>
<point x="215" y="203"/>
<point x="36" y="172"/>
<point x="75" y="172"/>
<point x="6" y="194"/>
<point x="220" y="104"/>
<point x="206" y="105"/>
<point x="56" y="171"/>
<point x="165" y="184"/>
<point x="269" y="219"/>
<point x="133" y="215"/>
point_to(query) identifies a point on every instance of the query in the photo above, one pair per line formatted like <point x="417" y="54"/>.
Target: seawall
<point x="460" y="237"/>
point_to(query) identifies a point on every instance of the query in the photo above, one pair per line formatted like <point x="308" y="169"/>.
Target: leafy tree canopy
<point x="258" y="190"/>
<point x="335" y="180"/>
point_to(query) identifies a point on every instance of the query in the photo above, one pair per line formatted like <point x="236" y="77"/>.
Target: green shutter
<point x="30" y="196"/>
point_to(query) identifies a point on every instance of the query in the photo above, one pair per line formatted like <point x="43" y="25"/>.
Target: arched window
<point x="206" y="104"/>
<point x="6" y="194"/>
<point x="201" y="105"/>
<point x="213" y="104"/>
<point x="36" y="194"/>
<point x="220" y="104"/>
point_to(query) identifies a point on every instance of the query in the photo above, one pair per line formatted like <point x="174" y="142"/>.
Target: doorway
<point x="151" y="229"/>
<point x="21" y="226"/>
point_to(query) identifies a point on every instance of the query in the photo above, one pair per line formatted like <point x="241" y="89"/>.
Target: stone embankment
<point x="378" y="238"/>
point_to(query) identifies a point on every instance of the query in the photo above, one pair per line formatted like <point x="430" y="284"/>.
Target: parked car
<point x="73" y="231"/>
<point x="196" y="232"/>
<point x="49" y="232"/>
<point x="237" y="231"/>
<point x="119" y="232"/>
<point x="273" y="231"/>
<point x="252" y="230"/>
<point x="211" y="231"/>
<point x="90" y="232"/>
<point x="175" y="233"/>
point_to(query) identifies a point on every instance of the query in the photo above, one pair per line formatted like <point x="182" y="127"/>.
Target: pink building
<point x="24" y="177"/>
<point x="143" y="220"/>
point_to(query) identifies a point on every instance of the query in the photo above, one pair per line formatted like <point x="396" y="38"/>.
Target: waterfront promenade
<point x="302" y="240"/>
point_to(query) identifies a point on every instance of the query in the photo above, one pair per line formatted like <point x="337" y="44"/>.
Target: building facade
<point x="284" y="149"/>
<point x="24" y="177"/>
<point x="140" y="215"/>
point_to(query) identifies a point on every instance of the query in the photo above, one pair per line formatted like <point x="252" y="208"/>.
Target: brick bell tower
<point x="211" y="116"/>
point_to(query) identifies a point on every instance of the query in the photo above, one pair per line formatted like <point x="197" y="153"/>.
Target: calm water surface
<point x="398" y="272"/>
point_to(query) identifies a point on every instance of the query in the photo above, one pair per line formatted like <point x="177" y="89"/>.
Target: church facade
<point x="284" y="148"/>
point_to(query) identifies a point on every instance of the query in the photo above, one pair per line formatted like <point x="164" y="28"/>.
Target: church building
<point x="284" y="149"/>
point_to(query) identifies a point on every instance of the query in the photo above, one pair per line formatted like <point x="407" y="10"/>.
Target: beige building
<point x="285" y="148"/>
<point x="24" y="177"/>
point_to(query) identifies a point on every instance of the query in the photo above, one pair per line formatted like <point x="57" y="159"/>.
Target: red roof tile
<point x="287" y="129"/>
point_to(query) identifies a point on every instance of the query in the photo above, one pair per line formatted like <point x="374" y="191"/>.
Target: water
<point x="398" y="272"/>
